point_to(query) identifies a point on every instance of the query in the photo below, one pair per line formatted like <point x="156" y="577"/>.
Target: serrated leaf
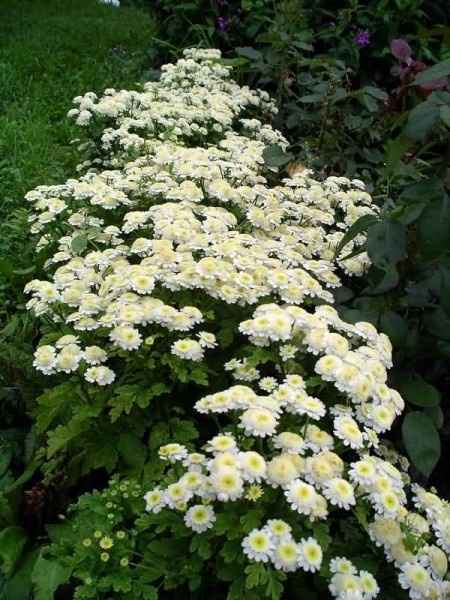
<point x="51" y="404"/>
<point x="251" y="519"/>
<point x="60" y="437"/>
<point x="256" y="575"/>
<point x="47" y="576"/>
<point x="421" y="441"/>
<point x="275" y="586"/>
<point x="183" y="431"/>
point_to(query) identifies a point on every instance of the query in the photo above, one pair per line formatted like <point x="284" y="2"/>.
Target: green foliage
<point x="350" y="109"/>
<point x="345" y="113"/>
<point x="421" y="441"/>
<point x="47" y="576"/>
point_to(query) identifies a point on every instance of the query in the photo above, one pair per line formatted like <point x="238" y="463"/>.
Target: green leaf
<point x="312" y="98"/>
<point x="394" y="326"/>
<point x="433" y="228"/>
<point x="441" y="69"/>
<point x="275" y="586"/>
<point x="6" y="454"/>
<point x="394" y="151"/>
<point x="183" y="431"/>
<point x="18" y="587"/>
<point x="202" y="546"/>
<point x="361" y="225"/>
<point x="51" y="404"/>
<point x="417" y="391"/>
<point x="249" y="52"/>
<point x="60" y="437"/>
<point x="445" y="115"/>
<point x="132" y="450"/>
<point x="436" y="415"/>
<point x="423" y="191"/>
<point x="231" y="550"/>
<point x="251" y="519"/>
<point x="275" y="156"/>
<point x="256" y="575"/>
<point x="421" y="121"/>
<point x="126" y="396"/>
<point x="79" y="244"/>
<point x="375" y="92"/>
<point x="12" y="542"/>
<point x="321" y="532"/>
<point x="421" y="441"/>
<point x="388" y="282"/>
<point x="437" y="323"/>
<point x="444" y="295"/>
<point x="47" y="576"/>
<point x="386" y="243"/>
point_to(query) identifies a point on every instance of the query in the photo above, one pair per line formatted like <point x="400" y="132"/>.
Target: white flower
<point x="348" y="431"/>
<point x="311" y="554"/>
<point x="342" y="565"/>
<point x="287" y="351"/>
<point x="199" y="518"/>
<point x="177" y="494"/>
<point x="100" y="375"/>
<point x="346" y="586"/>
<point x="289" y="442"/>
<point x="173" y="452"/>
<point x="279" y="528"/>
<point x="126" y="337"/>
<point x="154" y="501"/>
<point x="416" y="579"/>
<point x="281" y="470"/>
<point x="45" y="359"/>
<point x="187" y="349"/>
<point x="253" y="466"/>
<point x="206" y="339"/>
<point x="222" y="443"/>
<point x="301" y="496"/>
<point x="369" y="585"/>
<point x="94" y="355"/>
<point x="227" y="484"/>
<point x="267" y="384"/>
<point x="286" y="555"/>
<point x="258" y="545"/>
<point x="339" y="492"/>
<point x="258" y="422"/>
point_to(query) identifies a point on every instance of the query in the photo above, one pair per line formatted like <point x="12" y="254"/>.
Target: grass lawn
<point x="51" y="51"/>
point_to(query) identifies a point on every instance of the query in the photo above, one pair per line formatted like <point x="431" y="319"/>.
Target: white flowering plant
<point x="188" y="307"/>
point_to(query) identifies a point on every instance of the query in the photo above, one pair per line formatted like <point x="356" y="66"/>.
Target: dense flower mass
<point x="177" y="216"/>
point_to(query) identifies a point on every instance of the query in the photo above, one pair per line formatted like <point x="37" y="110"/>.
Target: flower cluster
<point x="177" y="219"/>
<point x="182" y="218"/>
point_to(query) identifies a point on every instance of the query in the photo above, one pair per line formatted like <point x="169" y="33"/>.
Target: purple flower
<point x="401" y="50"/>
<point x="222" y="23"/>
<point x="362" y="38"/>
